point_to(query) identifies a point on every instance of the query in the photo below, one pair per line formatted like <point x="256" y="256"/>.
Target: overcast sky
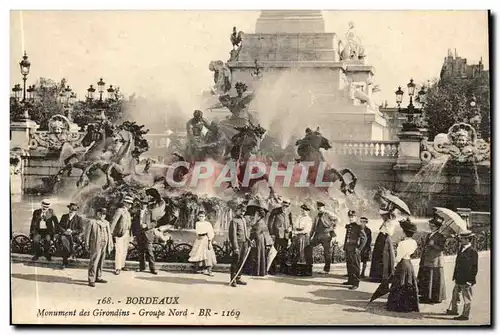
<point x="166" y="53"/>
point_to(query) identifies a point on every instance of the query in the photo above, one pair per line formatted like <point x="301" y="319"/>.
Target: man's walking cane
<point x="241" y="267"/>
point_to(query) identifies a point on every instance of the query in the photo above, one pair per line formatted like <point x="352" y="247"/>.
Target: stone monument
<point x="291" y="52"/>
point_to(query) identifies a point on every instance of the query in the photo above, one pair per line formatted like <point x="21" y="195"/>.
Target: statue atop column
<point x="236" y="39"/>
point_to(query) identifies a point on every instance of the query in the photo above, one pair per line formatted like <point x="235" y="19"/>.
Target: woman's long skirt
<point x="300" y="242"/>
<point x="382" y="265"/>
<point x="431" y="284"/>
<point x="258" y="257"/>
<point x="403" y="295"/>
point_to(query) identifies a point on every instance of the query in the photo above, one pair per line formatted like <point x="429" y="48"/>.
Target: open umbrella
<point x="381" y="290"/>
<point x="397" y="202"/>
<point x="453" y="224"/>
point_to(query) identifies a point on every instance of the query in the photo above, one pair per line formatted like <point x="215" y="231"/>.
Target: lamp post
<point x="24" y="65"/>
<point x="100" y="86"/>
<point x="475" y="121"/>
<point x="100" y="104"/>
<point x="67" y="98"/>
<point x="22" y="98"/>
<point x="410" y="110"/>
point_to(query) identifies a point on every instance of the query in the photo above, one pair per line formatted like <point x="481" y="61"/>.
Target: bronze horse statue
<point x="105" y="148"/>
<point x="309" y="150"/>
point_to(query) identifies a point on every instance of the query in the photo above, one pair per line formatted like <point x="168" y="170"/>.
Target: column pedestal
<point x="20" y="133"/>
<point x="409" y="150"/>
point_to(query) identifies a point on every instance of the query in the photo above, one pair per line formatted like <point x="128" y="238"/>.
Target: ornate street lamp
<point x="399" y="96"/>
<point x="24" y="65"/>
<point x="410" y="110"/>
<point x="90" y="92"/>
<point x="475" y="121"/>
<point x="17" y="91"/>
<point x="411" y="87"/>
<point x="100" y="87"/>
<point x="422" y="96"/>
<point x="31" y="93"/>
<point x="61" y="98"/>
<point x="72" y="98"/>
<point x="111" y="91"/>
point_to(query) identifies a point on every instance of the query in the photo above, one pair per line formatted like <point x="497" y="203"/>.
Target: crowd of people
<point x="257" y="231"/>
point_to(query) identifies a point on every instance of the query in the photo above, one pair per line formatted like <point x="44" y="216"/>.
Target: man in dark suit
<point x="280" y="228"/>
<point x="70" y="228"/>
<point x="143" y="229"/>
<point x="464" y="276"/>
<point x="42" y="227"/>
<point x="323" y="232"/>
<point x="240" y="240"/>
<point x="355" y="240"/>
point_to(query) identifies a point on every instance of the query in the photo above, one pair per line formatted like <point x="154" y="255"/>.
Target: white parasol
<point x="397" y="202"/>
<point x="453" y="224"/>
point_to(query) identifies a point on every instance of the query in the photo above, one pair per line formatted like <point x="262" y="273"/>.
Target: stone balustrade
<point x="365" y="148"/>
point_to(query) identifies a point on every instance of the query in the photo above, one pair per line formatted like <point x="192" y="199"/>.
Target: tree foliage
<point x="448" y="102"/>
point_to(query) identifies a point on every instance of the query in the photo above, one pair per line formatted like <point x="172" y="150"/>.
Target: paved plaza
<point x="274" y="300"/>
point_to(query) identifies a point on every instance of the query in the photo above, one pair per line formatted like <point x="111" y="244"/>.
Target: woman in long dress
<point x="300" y="240"/>
<point x="403" y="294"/>
<point x="258" y="234"/>
<point x="382" y="265"/>
<point x="430" y="278"/>
<point x="202" y="254"/>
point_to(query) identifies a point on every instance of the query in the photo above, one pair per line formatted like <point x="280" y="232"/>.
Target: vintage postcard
<point x="273" y="167"/>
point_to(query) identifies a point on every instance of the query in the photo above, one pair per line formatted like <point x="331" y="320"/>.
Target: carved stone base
<point x="409" y="148"/>
<point x="20" y="133"/>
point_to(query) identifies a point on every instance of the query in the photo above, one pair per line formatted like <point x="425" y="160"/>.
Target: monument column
<point x="290" y="22"/>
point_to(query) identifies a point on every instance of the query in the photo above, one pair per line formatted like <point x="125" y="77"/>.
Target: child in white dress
<point x="203" y="254"/>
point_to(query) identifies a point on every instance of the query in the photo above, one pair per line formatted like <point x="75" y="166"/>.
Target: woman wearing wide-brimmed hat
<point x="403" y="294"/>
<point x="431" y="281"/>
<point x="259" y="234"/>
<point x="382" y="264"/>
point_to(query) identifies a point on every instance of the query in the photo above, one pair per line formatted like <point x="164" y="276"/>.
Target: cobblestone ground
<point x="274" y="300"/>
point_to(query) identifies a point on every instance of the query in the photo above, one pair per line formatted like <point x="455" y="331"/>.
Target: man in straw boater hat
<point x="70" y="226"/>
<point x="464" y="276"/>
<point x="120" y="228"/>
<point x="98" y="242"/>
<point x="322" y="232"/>
<point x="239" y="238"/>
<point x="43" y="223"/>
